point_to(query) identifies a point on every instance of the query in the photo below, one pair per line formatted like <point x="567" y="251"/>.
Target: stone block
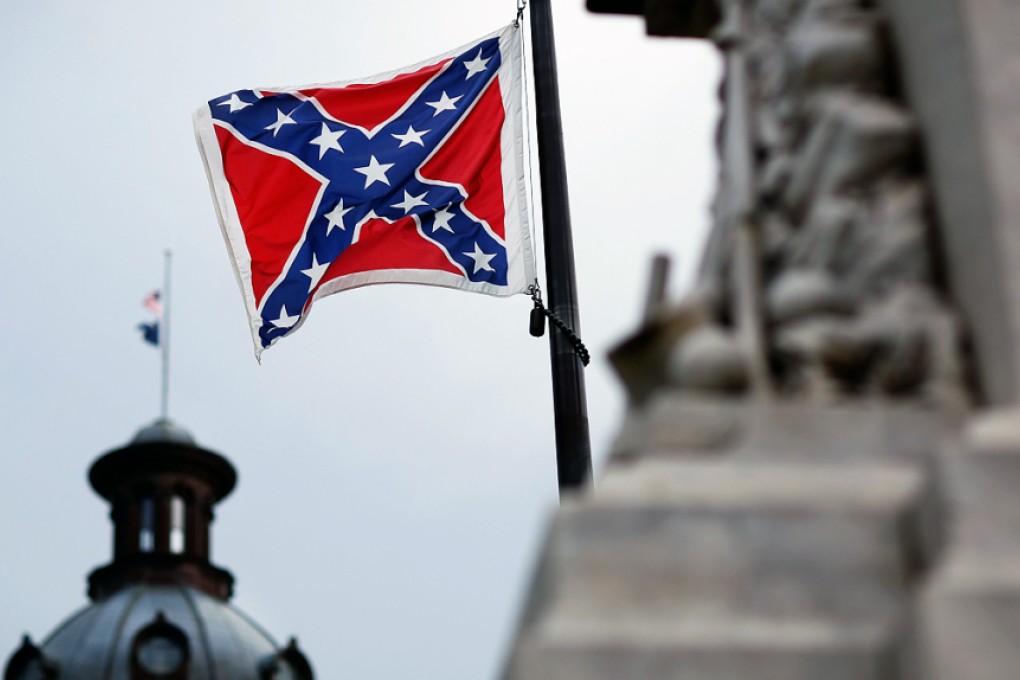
<point x="666" y="540"/>
<point x="677" y="425"/>
<point x="968" y="622"/>
<point x="982" y="476"/>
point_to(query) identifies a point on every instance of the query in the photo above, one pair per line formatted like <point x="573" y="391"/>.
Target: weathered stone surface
<point x="699" y="650"/>
<point x="845" y="524"/>
<point x="641" y="360"/>
<point x="983" y="476"/>
<point x="969" y="622"/>
<point x="666" y="540"/>
<point x="959" y="65"/>
<point x="834" y="54"/>
<point x="800" y="293"/>
<point x="889" y="245"/>
<point x="967" y="619"/>
<point x="822" y="172"/>
<point x="828" y="235"/>
<point x="708" y="359"/>
<point x="777" y="541"/>
<point x="675" y="424"/>
<point x="856" y="140"/>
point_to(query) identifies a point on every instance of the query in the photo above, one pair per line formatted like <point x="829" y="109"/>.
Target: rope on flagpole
<point x="526" y="103"/>
<point x="540" y="312"/>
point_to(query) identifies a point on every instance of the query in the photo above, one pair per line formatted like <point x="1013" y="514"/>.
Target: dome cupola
<point x="160" y="609"/>
<point x="162" y="488"/>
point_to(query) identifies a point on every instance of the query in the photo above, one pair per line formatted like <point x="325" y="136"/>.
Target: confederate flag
<point x="412" y="176"/>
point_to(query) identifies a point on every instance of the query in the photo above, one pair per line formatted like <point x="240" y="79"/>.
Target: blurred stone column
<point x="960" y="62"/>
<point x="864" y="522"/>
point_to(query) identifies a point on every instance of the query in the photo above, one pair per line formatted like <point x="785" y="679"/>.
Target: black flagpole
<point x="570" y="407"/>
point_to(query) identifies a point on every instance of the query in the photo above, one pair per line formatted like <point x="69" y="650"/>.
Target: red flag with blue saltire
<point x="411" y="176"/>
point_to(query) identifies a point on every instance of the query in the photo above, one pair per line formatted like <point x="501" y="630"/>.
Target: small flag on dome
<point x="411" y="176"/>
<point x="150" y="330"/>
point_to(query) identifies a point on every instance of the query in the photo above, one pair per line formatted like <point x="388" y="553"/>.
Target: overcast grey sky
<point x="396" y="454"/>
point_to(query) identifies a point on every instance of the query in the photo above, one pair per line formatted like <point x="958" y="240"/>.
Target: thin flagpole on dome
<point x="164" y="337"/>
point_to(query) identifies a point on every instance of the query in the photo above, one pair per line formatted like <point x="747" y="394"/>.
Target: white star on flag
<point x="315" y="272"/>
<point x="281" y="120"/>
<point x="444" y="103"/>
<point x="328" y="140"/>
<point x="336" y="217"/>
<point x="442" y="221"/>
<point x="235" y="103"/>
<point x="412" y="136"/>
<point x="481" y="259"/>
<point x="374" y="172"/>
<point x="285" y="320"/>
<point x="410" y="202"/>
<point x="476" y="65"/>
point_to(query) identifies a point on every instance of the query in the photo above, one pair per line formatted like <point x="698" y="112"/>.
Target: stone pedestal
<point x="735" y="541"/>
<point x="865" y="250"/>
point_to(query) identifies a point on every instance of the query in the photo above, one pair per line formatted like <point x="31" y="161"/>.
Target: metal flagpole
<point x="573" y="447"/>
<point x="164" y="335"/>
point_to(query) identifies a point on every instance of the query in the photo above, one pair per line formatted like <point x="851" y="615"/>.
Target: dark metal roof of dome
<point x="211" y="625"/>
<point x="101" y="642"/>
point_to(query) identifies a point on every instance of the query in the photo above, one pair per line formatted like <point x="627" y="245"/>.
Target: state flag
<point x="150" y="332"/>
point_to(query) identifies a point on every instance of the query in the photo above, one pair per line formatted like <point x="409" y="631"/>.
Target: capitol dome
<point x="160" y="609"/>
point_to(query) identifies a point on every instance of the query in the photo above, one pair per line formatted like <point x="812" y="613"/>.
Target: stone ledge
<point x="731" y="650"/>
<point x="774" y="543"/>
<point x="763" y="485"/>
<point x="748" y="632"/>
<point x="676" y="424"/>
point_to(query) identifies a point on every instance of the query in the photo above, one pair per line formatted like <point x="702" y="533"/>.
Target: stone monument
<point x="818" y="474"/>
